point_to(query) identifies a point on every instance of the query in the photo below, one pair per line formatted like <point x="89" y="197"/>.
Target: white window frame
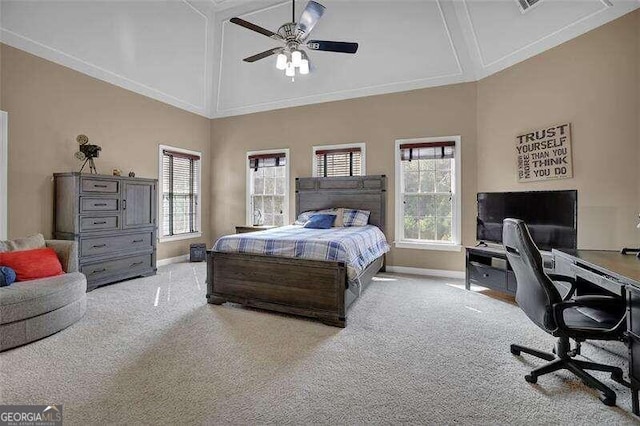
<point x="4" y="172"/>
<point x="456" y="176"/>
<point x="197" y="234"/>
<point x="287" y="167"/>
<point x="363" y="155"/>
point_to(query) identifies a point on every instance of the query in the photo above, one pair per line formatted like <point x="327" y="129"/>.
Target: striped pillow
<point x="356" y="217"/>
<point x="304" y="217"/>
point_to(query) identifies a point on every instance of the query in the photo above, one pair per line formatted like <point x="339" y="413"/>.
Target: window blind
<point x="180" y="192"/>
<point x="339" y="162"/>
<point x="267" y="160"/>
<point x="427" y="150"/>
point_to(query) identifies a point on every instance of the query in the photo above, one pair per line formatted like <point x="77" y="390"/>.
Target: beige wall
<point x="49" y="105"/>
<point x="378" y="121"/>
<point x="592" y="82"/>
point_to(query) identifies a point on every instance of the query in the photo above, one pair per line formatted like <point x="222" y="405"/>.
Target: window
<point x="268" y="187"/>
<point x="428" y="193"/>
<point x="180" y="198"/>
<point x="339" y="160"/>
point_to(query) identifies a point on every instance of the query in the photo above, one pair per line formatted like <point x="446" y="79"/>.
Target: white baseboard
<point x="429" y="272"/>
<point x="170" y="260"/>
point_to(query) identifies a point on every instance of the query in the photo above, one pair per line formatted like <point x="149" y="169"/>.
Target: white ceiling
<point x="187" y="53"/>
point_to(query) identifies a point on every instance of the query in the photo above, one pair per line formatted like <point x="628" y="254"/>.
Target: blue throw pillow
<point x="7" y="276"/>
<point x="320" y="221"/>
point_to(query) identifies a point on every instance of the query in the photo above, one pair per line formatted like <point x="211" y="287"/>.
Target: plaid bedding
<point x="356" y="246"/>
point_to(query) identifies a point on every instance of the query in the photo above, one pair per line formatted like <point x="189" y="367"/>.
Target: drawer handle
<point x="100" y="186"/>
<point x="99" y="245"/>
<point x="100" y="204"/>
<point x="97" y="271"/>
<point x="137" y="263"/>
<point x="136" y="241"/>
<point x="100" y="223"/>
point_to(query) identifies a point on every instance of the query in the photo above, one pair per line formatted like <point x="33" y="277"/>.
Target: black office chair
<point x="581" y="318"/>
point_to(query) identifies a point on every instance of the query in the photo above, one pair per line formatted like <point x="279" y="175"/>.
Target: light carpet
<point x="415" y="350"/>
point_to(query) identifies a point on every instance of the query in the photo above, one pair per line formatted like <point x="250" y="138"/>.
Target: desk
<point x="616" y="273"/>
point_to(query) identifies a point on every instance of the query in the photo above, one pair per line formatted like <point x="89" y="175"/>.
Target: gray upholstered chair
<point x="31" y="310"/>
<point x="591" y="317"/>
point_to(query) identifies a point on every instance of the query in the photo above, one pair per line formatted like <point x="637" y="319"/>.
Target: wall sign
<point x="545" y="154"/>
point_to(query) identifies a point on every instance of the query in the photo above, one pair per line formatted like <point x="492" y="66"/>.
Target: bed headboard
<point x="354" y="192"/>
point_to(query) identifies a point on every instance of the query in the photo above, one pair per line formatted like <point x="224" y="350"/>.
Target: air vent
<point x="526" y="5"/>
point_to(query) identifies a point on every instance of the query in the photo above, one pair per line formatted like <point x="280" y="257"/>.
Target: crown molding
<point x="398" y="86"/>
<point x="34" y="47"/>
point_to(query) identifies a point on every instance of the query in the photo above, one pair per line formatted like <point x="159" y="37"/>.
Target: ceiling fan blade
<point x="263" y="55"/>
<point x="332" y="46"/>
<point x="256" y="28"/>
<point x="309" y="18"/>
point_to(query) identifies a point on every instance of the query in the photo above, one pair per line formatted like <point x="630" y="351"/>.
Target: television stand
<point x="482" y="244"/>
<point x="488" y="267"/>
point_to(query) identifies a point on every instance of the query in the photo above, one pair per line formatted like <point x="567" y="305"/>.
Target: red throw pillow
<point x="32" y="264"/>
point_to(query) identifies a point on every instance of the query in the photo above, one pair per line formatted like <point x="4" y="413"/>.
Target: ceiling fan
<point x="293" y="35"/>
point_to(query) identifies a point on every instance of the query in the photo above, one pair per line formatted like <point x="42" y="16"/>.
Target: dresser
<point x="113" y="219"/>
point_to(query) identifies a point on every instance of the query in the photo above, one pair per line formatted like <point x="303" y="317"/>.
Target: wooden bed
<point x="312" y="288"/>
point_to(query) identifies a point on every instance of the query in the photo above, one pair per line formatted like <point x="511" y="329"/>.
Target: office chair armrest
<point x="565" y="279"/>
<point x="599" y="301"/>
<point x="592" y="301"/>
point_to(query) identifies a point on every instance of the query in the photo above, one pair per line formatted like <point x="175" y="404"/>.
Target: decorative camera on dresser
<point x="113" y="219"/>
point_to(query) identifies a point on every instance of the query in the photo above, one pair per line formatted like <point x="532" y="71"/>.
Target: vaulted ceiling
<point x="187" y="53"/>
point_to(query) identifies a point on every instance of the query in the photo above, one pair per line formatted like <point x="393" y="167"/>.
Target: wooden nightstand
<point x="252" y="228"/>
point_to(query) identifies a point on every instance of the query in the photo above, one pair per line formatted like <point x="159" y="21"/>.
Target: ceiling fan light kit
<point x="294" y="37"/>
<point x="281" y="61"/>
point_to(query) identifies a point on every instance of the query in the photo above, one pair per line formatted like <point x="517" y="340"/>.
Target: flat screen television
<point x="551" y="216"/>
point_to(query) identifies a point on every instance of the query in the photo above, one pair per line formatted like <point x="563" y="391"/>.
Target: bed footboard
<point x="304" y="287"/>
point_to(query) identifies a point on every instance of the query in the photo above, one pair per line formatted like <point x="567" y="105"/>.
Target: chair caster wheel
<point x="515" y="351"/>
<point x="531" y="378"/>
<point x="609" y="401"/>
<point x="616" y="376"/>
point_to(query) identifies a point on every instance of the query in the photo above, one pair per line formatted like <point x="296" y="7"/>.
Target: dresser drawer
<point x="116" y="243"/>
<point x="97" y="270"/>
<point x="98" y="223"/>
<point x="98" y="204"/>
<point x="99" y="185"/>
